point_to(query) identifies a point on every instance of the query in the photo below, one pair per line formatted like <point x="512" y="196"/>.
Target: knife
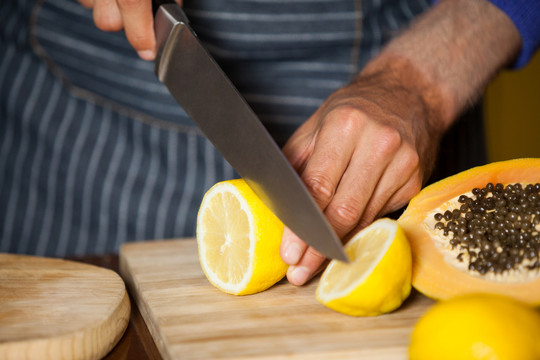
<point x="203" y="90"/>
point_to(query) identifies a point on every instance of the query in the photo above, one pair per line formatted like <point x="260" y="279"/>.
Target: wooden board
<point x="58" y="309"/>
<point x="190" y="319"/>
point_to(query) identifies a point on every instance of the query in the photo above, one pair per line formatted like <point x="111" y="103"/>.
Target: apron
<point x="94" y="152"/>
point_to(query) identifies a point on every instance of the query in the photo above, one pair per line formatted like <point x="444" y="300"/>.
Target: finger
<point x="297" y="150"/>
<point x="300" y="145"/>
<point x="292" y="247"/>
<point x="333" y="148"/>
<point x="390" y="195"/>
<point x="89" y="4"/>
<point x="310" y="264"/>
<point x="399" y="199"/>
<point x="139" y="26"/>
<point x="400" y="182"/>
<point x="107" y="16"/>
<point x="373" y="153"/>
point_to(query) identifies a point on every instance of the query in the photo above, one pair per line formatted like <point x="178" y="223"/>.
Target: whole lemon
<point x="477" y="326"/>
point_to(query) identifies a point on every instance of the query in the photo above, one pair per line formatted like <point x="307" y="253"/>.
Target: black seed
<point x="512" y="216"/>
<point x="495" y="226"/>
<point x="500" y="203"/>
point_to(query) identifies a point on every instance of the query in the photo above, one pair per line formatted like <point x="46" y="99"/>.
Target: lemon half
<point x="238" y="239"/>
<point x="378" y="277"/>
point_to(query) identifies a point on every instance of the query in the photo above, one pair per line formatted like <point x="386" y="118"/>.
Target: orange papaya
<point x="478" y="232"/>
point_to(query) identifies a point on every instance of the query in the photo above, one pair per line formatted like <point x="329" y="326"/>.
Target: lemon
<point x="238" y="239"/>
<point x="477" y="326"/>
<point x="378" y="277"/>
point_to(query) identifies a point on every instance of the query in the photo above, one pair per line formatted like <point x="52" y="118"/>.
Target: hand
<point x="134" y="16"/>
<point x="364" y="153"/>
<point x="371" y="145"/>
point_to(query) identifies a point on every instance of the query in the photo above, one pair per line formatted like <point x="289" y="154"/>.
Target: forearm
<point x="450" y="54"/>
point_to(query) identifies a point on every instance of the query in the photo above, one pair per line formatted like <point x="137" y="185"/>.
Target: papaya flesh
<point x="436" y="273"/>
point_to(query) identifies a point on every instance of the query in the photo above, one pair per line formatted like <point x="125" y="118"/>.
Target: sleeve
<point x="526" y="17"/>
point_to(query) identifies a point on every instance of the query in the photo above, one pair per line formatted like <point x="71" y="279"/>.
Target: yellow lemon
<point x="477" y="326"/>
<point x="378" y="277"/>
<point x="238" y="239"/>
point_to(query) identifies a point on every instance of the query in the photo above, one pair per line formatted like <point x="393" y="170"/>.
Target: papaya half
<point x="478" y="232"/>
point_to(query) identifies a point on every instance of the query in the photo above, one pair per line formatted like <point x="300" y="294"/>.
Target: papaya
<point x="478" y="232"/>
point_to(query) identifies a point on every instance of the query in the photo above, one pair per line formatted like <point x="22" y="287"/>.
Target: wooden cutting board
<point x="58" y="309"/>
<point x="190" y="319"/>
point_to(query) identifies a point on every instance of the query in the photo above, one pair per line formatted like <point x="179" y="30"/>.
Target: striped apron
<point x="94" y="152"/>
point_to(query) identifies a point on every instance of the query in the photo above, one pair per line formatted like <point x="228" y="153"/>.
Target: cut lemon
<point x="378" y="277"/>
<point x="238" y="239"/>
<point x="475" y="327"/>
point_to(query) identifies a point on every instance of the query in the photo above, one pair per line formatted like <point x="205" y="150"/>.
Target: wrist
<point x="450" y="54"/>
<point x="413" y="88"/>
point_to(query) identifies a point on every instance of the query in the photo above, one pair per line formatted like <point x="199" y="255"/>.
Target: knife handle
<point x="157" y="3"/>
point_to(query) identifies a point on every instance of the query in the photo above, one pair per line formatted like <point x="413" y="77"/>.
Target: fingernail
<point x="292" y="254"/>
<point x="299" y="275"/>
<point x="146" y="54"/>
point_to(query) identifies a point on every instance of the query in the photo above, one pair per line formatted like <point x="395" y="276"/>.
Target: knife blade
<point x="206" y="94"/>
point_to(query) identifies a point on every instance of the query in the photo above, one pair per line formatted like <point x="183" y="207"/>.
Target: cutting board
<point x="190" y="319"/>
<point x="58" y="309"/>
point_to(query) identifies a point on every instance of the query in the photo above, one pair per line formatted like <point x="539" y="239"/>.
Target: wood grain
<point x="190" y="319"/>
<point x="59" y="309"/>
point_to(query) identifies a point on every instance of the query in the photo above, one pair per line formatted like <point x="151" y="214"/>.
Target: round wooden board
<point x="58" y="309"/>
